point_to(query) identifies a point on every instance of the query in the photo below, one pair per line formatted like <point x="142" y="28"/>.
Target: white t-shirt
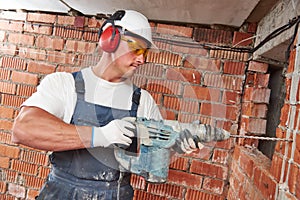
<point x="56" y="94"/>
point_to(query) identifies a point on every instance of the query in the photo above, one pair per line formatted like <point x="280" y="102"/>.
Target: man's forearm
<point x="39" y="129"/>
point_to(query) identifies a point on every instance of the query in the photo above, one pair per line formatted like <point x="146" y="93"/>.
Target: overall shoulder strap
<point x="135" y="101"/>
<point x="79" y="84"/>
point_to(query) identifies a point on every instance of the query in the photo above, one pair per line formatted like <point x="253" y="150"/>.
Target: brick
<point x="196" y="194"/>
<point x="232" y="98"/>
<point x="298" y="186"/>
<point x="254" y="110"/>
<point x="4" y="162"/>
<point x="252" y="27"/>
<point x="91" y="35"/>
<point x="2" y="187"/>
<point x="179" y="163"/>
<point x="79" y="21"/>
<point x="227" y="125"/>
<point x="9" y="151"/>
<point x="68" y="32"/>
<point x="204" y="154"/>
<point x="8" y="49"/>
<point x="219" y="111"/>
<point x="224" y="81"/>
<point x="191" y="76"/>
<point x="6" y="197"/>
<point x="43" y="172"/>
<point x="8" y="88"/>
<point x="257" y="95"/>
<point x="203" y="35"/>
<point x="86" y="59"/>
<point x="247" y="165"/>
<point x="166" y="190"/>
<point x="261" y="80"/>
<point x="70" y="69"/>
<point x="258" y="66"/>
<point x="165" y="57"/>
<point x="139" y="194"/>
<point x="137" y="182"/>
<point x="220" y="156"/>
<point x="39" y="17"/>
<point x="5" y="124"/>
<point x="32" y="181"/>
<point x="174" y="30"/>
<point x="267" y="186"/>
<point x="150" y="69"/>
<point x="213" y="185"/>
<point x="184" y="179"/>
<point x="242" y="39"/>
<point x="18" y="38"/>
<point x="208" y="169"/>
<point x="50" y="43"/>
<point x="9" y="175"/>
<point x="11" y="25"/>
<point x="24" y="167"/>
<point x="6" y="112"/>
<point x="4" y="74"/>
<point x="34" y="157"/>
<point x="189" y="106"/>
<point x="36" y="28"/>
<point x="187" y="118"/>
<point x="157" y="98"/>
<point x="23" y="77"/>
<point x="61" y="57"/>
<point x="65" y="20"/>
<point x="94" y="23"/>
<point x="235" y="68"/>
<point x="253" y="125"/>
<point x="181" y="105"/>
<point x="201" y="93"/>
<point x="201" y="63"/>
<point x="257" y="80"/>
<point x="43" y="68"/>
<point x="5" y="137"/>
<point x="164" y="86"/>
<point x="16" y="190"/>
<point x="14" y="63"/>
<point x="292" y="181"/>
<point x="79" y="46"/>
<point x="25" y="90"/>
<point x="35" y="54"/>
<point x="168" y="114"/>
<point x="32" y="194"/>
<point x="229" y="55"/>
<point x="11" y="100"/>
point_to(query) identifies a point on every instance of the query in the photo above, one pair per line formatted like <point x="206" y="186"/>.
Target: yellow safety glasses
<point x="135" y="47"/>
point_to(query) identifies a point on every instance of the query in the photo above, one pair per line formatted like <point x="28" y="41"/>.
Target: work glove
<point x="185" y="143"/>
<point x="115" y="132"/>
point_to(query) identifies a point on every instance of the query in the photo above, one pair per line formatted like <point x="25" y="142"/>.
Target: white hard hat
<point x="135" y="23"/>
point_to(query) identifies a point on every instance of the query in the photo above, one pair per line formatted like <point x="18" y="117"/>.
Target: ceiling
<point x="224" y="12"/>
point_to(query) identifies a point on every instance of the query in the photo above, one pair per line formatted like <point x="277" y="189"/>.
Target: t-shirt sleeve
<point x="148" y="107"/>
<point x="54" y="94"/>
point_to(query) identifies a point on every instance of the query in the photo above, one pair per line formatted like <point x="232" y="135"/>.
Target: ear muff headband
<point x="110" y="38"/>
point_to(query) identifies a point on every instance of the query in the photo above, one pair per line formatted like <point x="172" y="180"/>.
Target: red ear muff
<point x="110" y="39"/>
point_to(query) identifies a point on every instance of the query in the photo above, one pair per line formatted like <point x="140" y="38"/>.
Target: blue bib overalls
<point x="91" y="173"/>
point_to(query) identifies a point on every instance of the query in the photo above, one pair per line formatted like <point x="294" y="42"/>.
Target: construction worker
<point x="79" y="116"/>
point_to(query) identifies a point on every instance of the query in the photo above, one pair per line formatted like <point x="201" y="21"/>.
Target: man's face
<point x="131" y="54"/>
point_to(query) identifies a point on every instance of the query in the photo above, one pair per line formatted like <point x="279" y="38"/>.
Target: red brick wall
<point x="188" y="81"/>
<point x="253" y="175"/>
